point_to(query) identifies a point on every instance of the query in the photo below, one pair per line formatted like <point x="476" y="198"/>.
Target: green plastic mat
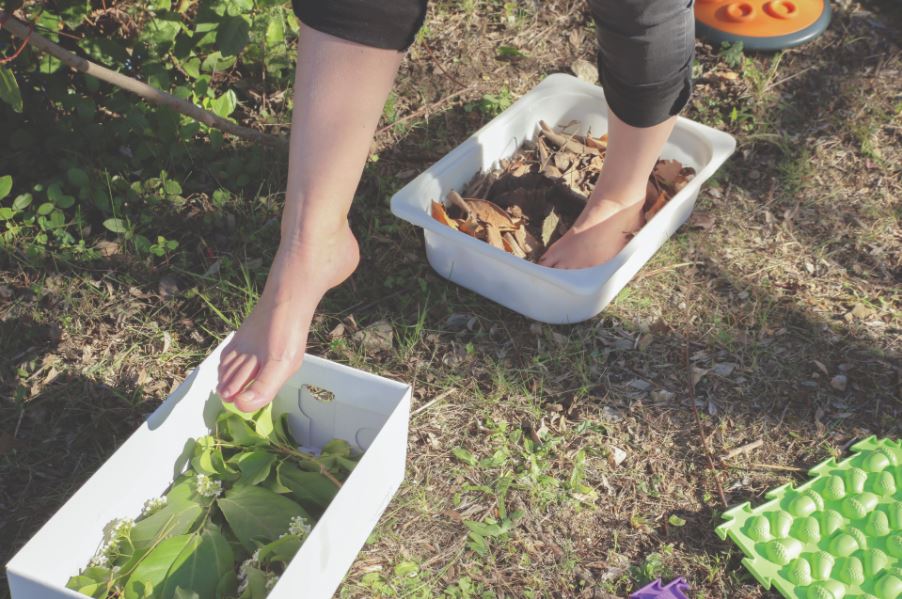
<point x="837" y="536"/>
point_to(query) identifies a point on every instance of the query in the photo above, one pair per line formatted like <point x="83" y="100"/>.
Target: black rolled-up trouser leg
<point x="645" y="52"/>
<point x="644" y="57"/>
<point x="390" y="24"/>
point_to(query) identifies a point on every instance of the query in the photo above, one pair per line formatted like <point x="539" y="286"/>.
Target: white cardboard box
<point x="368" y="411"/>
<point x="541" y="293"/>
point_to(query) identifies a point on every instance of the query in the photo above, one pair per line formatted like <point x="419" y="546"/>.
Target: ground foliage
<point x="544" y="461"/>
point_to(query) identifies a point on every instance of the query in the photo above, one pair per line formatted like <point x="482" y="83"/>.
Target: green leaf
<point x="256" y="584"/>
<point x="311" y="489"/>
<point x="675" y="520"/>
<point x="257" y="514"/>
<point x="172" y="187"/>
<point x="233" y="35"/>
<point x="255" y="466"/>
<point x="275" y="29"/>
<point x="77" y="177"/>
<point x="225" y="104"/>
<point x="9" y="89"/>
<point x="6" y="213"/>
<point x="200" y="565"/>
<point x="280" y="550"/>
<point x="263" y="421"/>
<point x="154" y="567"/>
<point x="464" y="456"/>
<point x="6" y="185"/>
<point x="116" y="225"/>
<point x="337" y="448"/>
<point x="84" y="585"/>
<point x="234" y="425"/>
<point x="46" y="208"/>
<point x="182" y="510"/>
<point x="181" y="593"/>
<point x="22" y="201"/>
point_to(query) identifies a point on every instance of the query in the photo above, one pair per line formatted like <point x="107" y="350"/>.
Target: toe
<point x="237" y="377"/>
<point x="226" y="358"/>
<point x="265" y="386"/>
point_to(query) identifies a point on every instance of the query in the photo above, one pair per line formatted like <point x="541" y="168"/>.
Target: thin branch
<point x="742" y="449"/>
<point x="151" y="94"/>
<point x="424" y="109"/>
<point x="701" y="428"/>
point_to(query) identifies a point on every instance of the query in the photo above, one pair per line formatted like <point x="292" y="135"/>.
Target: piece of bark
<point x="564" y="142"/>
<point x="493" y="236"/>
<point x="455" y="200"/>
<point x="512" y="246"/>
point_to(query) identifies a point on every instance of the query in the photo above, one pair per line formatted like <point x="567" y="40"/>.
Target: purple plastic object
<point x="676" y="589"/>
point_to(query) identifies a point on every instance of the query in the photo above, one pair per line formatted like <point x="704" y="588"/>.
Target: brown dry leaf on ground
<point x="534" y="197"/>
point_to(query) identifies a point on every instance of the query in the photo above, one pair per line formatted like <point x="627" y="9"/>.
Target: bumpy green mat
<point x="837" y="536"/>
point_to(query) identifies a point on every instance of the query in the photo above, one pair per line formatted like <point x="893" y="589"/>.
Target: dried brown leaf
<point x="656" y="206"/>
<point x="439" y="214"/>
<point x="491" y="214"/>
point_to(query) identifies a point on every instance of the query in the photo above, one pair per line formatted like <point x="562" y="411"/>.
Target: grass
<point x="556" y="463"/>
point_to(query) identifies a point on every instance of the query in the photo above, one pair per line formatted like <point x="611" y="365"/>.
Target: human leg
<point x="340" y="89"/>
<point x="645" y="61"/>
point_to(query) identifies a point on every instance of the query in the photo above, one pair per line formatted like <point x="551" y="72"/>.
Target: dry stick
<point x="432" y="402"/>
<point x="701" y="428"/>
<point x="424" y="109"/>
<point x="742" y="449"/>
<point x="757" y="466"/>
<point x="151" y="94"/>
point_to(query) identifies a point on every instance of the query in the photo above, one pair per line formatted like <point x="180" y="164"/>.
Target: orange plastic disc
<point x="759" y="18"/>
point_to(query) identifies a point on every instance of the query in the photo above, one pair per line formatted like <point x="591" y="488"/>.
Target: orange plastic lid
<point x="759" y="18"/>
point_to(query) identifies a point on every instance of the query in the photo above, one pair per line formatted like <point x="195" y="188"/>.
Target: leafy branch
<point x="230" y="524"/>
<point x="151" y="94"/>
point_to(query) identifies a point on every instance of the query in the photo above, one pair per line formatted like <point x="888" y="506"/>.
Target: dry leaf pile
<point x="533" y="198"/>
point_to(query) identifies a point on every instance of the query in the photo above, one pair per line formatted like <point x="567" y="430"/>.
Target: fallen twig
<point x="151" y="94"/>
<point x="432" y="401"/>
<point x="424" y="109"/>
<point x="701" y="428"/>
<point x="757" y="466"/>
<point x="742" y="449"/>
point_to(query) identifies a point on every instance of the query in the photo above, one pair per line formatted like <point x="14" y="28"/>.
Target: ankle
<point x="313" y="237"/>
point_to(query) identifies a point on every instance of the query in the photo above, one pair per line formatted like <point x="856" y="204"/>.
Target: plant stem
<point x="151" y="94"/>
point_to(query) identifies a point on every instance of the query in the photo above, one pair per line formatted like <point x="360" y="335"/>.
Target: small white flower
<point x="299" y="527"/>
<point x="208" y="487"/>
<point x="248" y="563"/>
<point x="101" y="560"/>
<point x="271" y="581"/>
<point x="153" y="505"/>
<point x="123" y="527"/>
<point x="243" y="585"/>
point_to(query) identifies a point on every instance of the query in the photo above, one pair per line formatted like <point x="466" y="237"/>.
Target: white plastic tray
<point x="546" y="294"/>
<point x="368" y="411"/>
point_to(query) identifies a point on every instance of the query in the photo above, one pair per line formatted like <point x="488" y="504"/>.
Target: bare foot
<point x="600" y="232"/>
<point x="270" y="344"/>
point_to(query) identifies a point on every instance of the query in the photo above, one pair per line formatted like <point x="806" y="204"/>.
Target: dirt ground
<point x="574" y="450"/>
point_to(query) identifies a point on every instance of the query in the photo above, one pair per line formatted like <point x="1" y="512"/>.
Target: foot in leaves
<point x="600" y="232"/>
<point x="269" y="345"/>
